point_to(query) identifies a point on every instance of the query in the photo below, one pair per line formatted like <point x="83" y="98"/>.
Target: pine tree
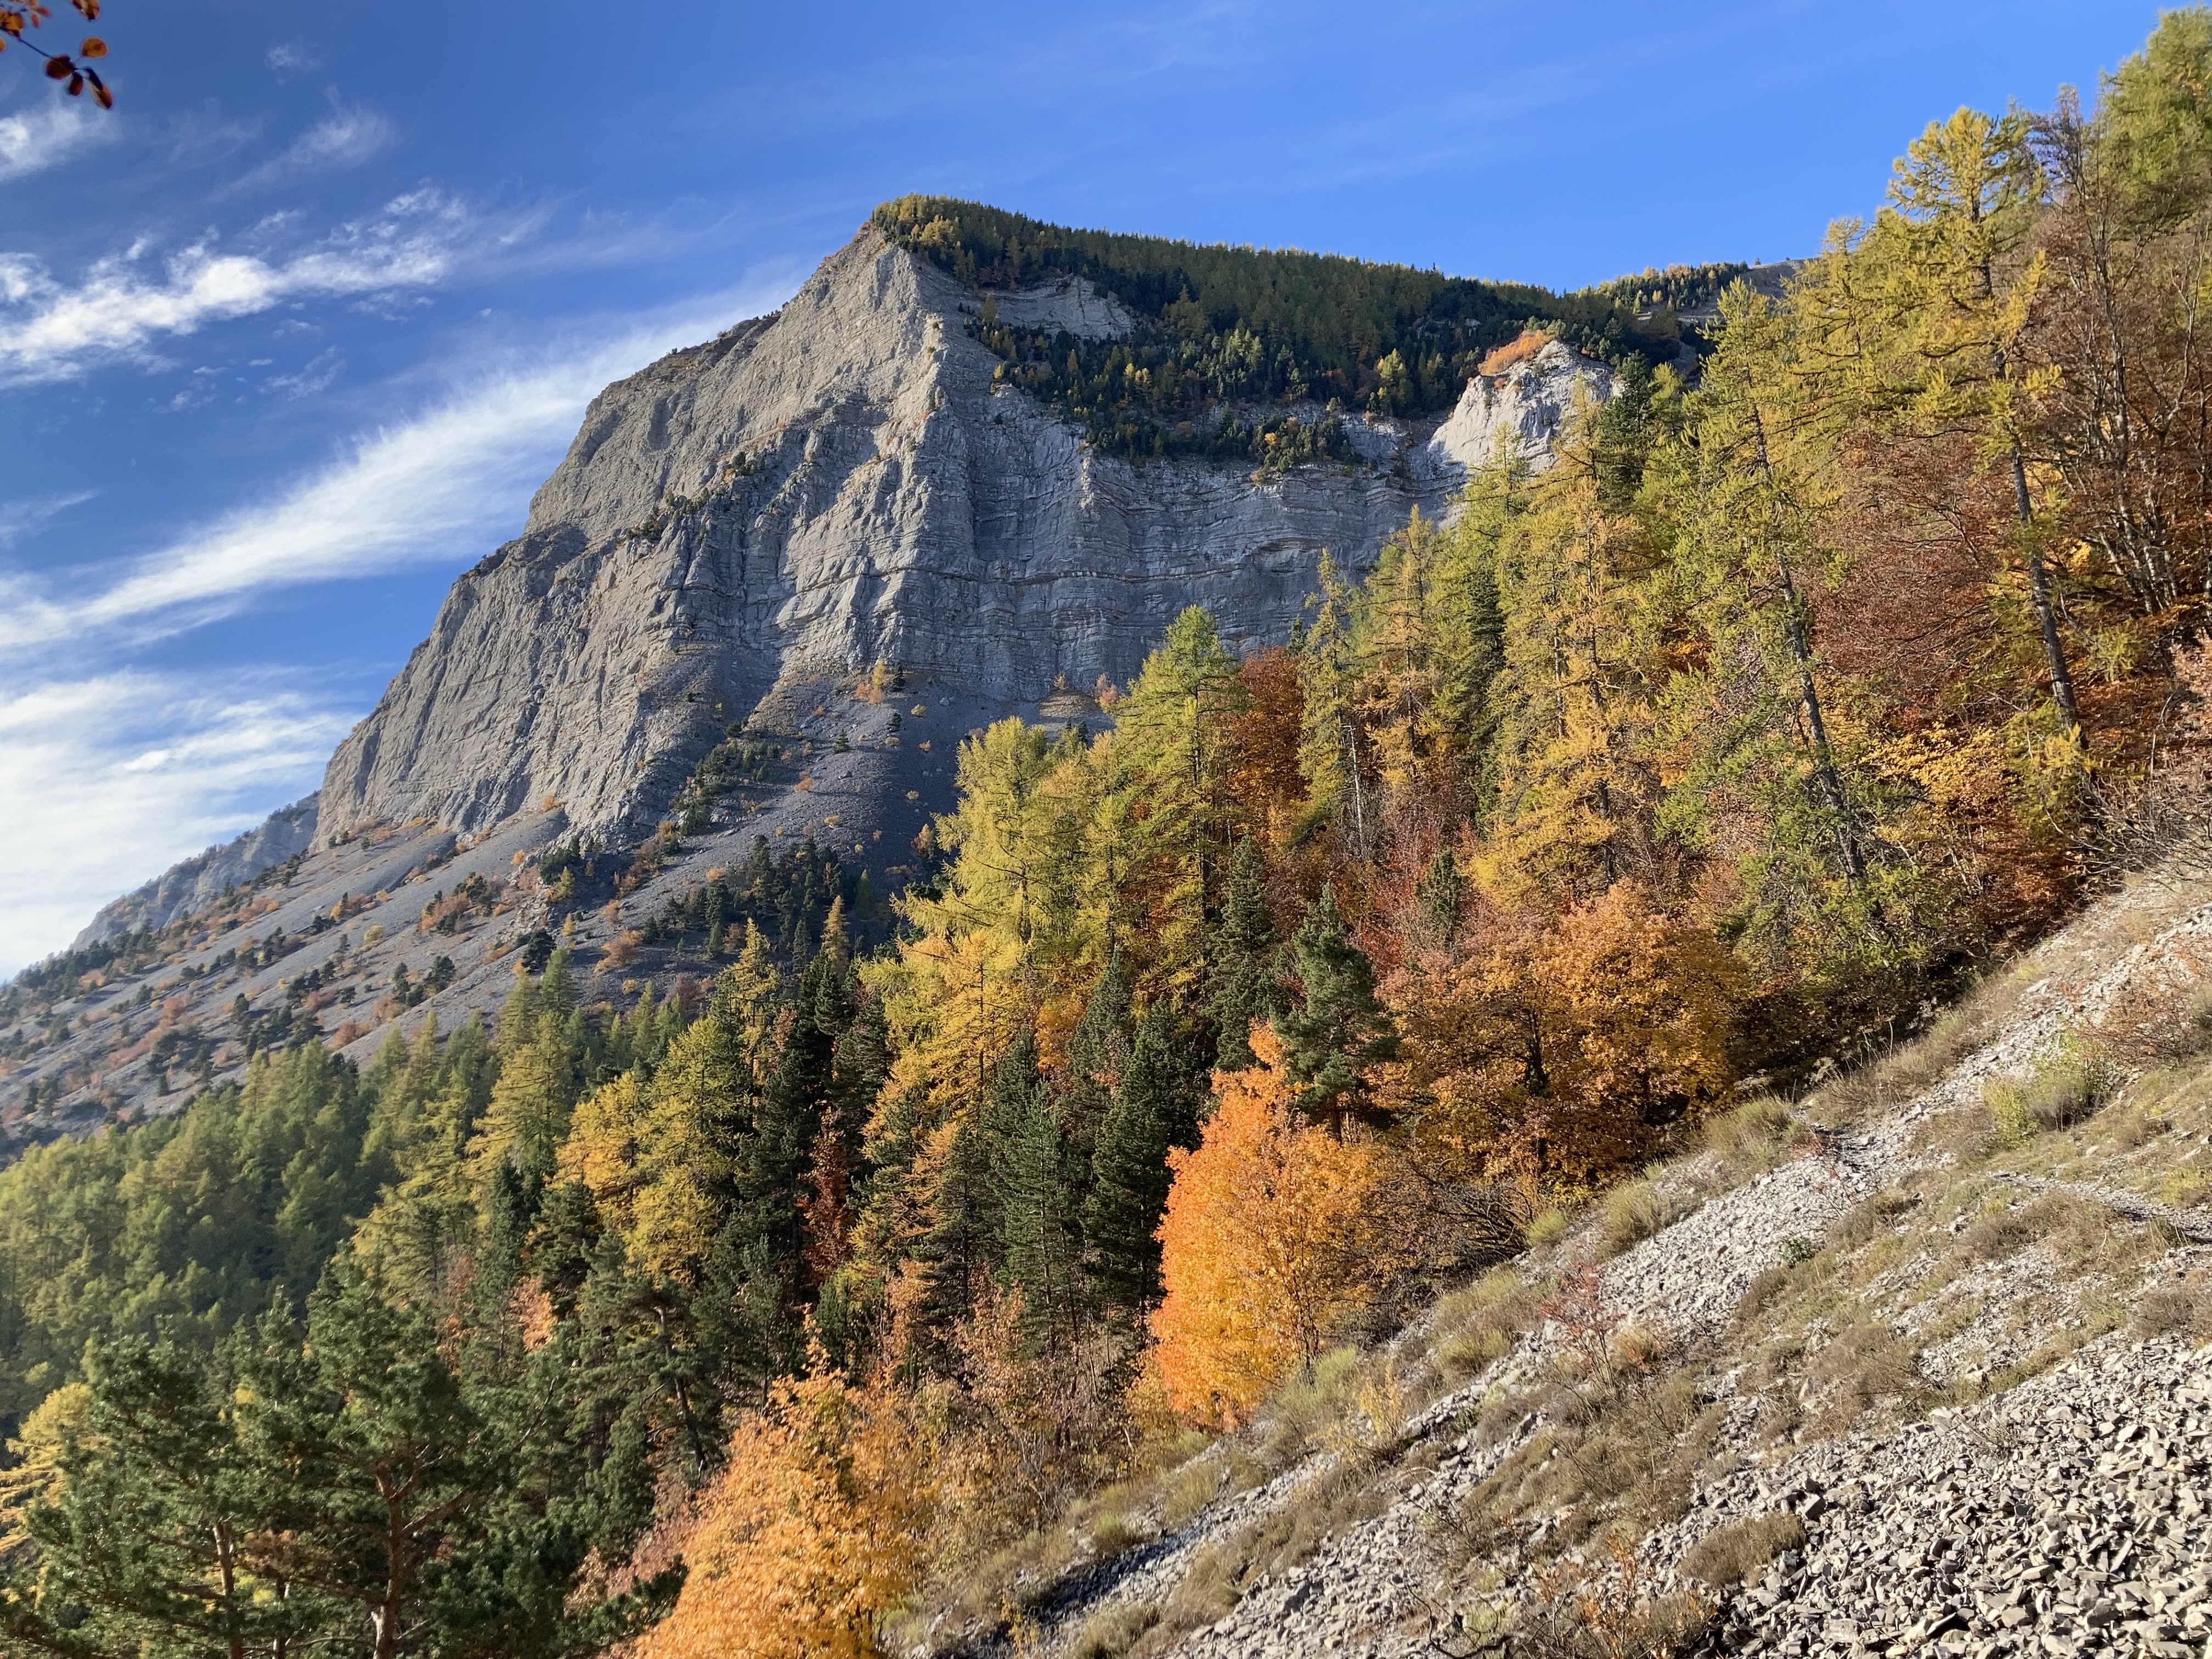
<point x="1152" y="1112"/>
<point x="1036" y="1174"/>
<point x="1438" y="898"/>
<point x="1247" y="983"/>
<point x="1341" y="1025"/>
<point x="145" y="1540"/>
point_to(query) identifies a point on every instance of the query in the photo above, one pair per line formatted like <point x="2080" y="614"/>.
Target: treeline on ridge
<point x="1221" y="325"/>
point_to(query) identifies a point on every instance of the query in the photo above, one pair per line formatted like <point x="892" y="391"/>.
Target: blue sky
<point x="287" y="340"/>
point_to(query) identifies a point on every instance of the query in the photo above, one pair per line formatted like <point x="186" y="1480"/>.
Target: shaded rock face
<point x="842" y="484"/>
<point x="202" y="878"/>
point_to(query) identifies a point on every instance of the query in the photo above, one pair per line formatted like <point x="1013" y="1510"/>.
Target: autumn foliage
<point x="1556" y="1050"/>
<point x="812" y="1533"/>
<point x="1275" y="1234"/>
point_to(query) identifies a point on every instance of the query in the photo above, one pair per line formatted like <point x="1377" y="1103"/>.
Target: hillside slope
<point x="1906" y="1370"/>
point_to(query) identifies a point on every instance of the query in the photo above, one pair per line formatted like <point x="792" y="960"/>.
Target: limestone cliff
<point x="841" y="484"/>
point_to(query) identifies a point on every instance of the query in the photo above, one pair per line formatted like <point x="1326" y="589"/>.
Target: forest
<point x="1223" y="333"/>
<point x="1798" y="691"/>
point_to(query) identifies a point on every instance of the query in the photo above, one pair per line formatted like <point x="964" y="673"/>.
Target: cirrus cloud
<point x="50" y="330"/>
<point x="112" y="776"/>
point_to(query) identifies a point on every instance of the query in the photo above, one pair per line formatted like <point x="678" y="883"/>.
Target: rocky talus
<point x="1927" y="1381"/>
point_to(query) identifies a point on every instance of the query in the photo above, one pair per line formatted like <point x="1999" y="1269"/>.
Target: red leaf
<point x="58" y="67"/>
<point x="103" y="97"/>
<point x="93" y="46"/>
<point x="76" y="85"/>
<point x="89" y="8"/>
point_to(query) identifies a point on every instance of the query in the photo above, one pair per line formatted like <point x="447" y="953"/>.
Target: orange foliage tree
<point x="1553" y="1052"/>
<point x="812" y="1534"/>
<point x="1274" y="1236"/>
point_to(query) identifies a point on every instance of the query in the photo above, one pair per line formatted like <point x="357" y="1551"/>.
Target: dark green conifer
<point x="1247" y="983"/>
<point x="1152" y="1110"/>
<point x="1341" y="1026"/>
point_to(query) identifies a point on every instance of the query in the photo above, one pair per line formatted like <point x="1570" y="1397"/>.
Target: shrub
<point x="2068" y="1087"/>
<point x="1728" y="1555"/>
<point x="2183" y="1309"/>
<point x="1113" y="1633"/>
<point x="1869" y="1364"/>
<point x="1763" y="1288"/>
<point x="2002" y="1233"/>
<point x="1113" y="1533"/>
<point x="1549" y="1228"/>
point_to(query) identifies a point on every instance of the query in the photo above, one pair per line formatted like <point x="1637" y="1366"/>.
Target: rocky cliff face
<point x="842" y="484"/>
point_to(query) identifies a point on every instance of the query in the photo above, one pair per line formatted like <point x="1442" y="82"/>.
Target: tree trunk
<point x="2039" y="587"/>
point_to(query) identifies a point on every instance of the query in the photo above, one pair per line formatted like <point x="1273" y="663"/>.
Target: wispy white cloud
<point x="47" y="135"/>
<point x="443" y="486"/>
<point x="345" y="138"/>
<point x="291" y="55"/>
<point x="50" y="330"/>
<point x="19" y="519"/>
<point x="110" y="779"/>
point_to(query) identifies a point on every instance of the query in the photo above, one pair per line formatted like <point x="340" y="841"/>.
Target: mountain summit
<point x="900" y="468"/>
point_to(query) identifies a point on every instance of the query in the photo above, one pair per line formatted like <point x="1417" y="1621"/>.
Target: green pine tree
<point x="1247" y="985"/>
<point x="1341" y="1026"/>
<point x="1152" y="1111"/>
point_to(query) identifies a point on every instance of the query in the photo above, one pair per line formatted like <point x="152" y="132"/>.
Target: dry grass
<point x="1607" y="1610"/>
<point x="1479" y="1324"/>
<point x="2068" y="1087"/>
<point x="2183" y="1309"/>
<point x="1632" y="1212"/>
<point x="1730" y="1554"/>
<point x="1867" y="1365"/>
<point x="1869" y="1092"/>
<point x="1222" y="1572"/>
<point x="1112" y="1532"/>
<point x="1624" y="1442"/>
<point x="1753" y="1136"/>
<point x="1112" y="1632"/>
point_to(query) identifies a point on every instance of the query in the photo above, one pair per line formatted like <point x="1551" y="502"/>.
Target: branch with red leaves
<point x="74" y="70"/>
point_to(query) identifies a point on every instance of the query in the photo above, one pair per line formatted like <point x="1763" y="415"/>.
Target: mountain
<point x="781" y="575"/>
<point x="187" y="886"/>
<point x="855" y="481"/>
<point x="1639" y="1088"/>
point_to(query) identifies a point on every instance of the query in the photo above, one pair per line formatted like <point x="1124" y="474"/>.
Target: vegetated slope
<point x="1699" y="763"/>
<point x="1922" y="1364"/>
<point x="1206" y="330"/>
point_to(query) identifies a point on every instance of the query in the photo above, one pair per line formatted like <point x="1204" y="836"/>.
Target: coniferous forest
<point x="1801" y="688"/>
